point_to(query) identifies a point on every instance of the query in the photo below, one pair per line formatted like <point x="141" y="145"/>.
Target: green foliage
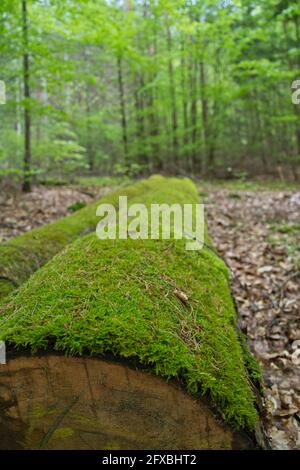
<point x="132" y="170"/>
<point x="137" y="87"/>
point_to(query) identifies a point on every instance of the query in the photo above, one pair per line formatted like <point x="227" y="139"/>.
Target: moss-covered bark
<point x="23" y="255"/>
<point x="151" y="300"/>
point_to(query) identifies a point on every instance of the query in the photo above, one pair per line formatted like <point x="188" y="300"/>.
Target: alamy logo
<point x="2" y="353"/>
<point x="296" y="93"/>
<point x="2" y="92"/>
<point x="161" y="221"/>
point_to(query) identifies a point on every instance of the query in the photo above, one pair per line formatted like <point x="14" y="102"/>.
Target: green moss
<point x="63" y="433"/>
<point x="23" y="255"/>
<point x="112" y="445"/>
<point x="120" y="297"/>
<point x="76" y="206"/>
<point x="6" y="287"/>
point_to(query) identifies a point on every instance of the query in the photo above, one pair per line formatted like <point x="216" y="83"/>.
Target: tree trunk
<point x="208" y="149"/>
<point x="123" y="108"/>
<point x="154" y="123"/>
<point x="90" y="155"/>
<point x="194" y="112"/>
<point x="27" y="117"/>
<point x="173" y="100"/>
<point x="142" y="156"/>
<point x="185" y="139"/>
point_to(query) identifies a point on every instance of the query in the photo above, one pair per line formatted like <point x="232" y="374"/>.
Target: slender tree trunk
<point x="259" y="127"/>
<point x="27" y="117"/>
<point x="154" y="132"/>
<point x="18" y="122"/>
<point x="194" y="112"/>
<point x="153" y="112"/>
<point x="185" y="140"/>
<point x="89" y="147"/>
<point x="142" y="156"/>
<point x="173" y="100"/>
<point x="123" y="109"/>
<point x="209" y="152"/>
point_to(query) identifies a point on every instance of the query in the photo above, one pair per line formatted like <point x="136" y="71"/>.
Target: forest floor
<point x="23" y="212"/>
<point x="256" y="229"/>
<point x="258" y="235"/>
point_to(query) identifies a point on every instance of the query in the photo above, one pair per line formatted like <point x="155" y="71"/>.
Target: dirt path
<point x="258" y="234"/>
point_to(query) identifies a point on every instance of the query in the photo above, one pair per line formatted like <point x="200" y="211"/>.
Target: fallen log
<point x="149" y="301"/>
<point x="24" y="254"/>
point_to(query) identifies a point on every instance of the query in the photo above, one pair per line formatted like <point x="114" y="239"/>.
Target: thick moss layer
<point x="23" y="255"/>
<point x="151" y="300"/>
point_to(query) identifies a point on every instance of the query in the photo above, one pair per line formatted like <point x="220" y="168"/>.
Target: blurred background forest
<point x="102" y="87"/>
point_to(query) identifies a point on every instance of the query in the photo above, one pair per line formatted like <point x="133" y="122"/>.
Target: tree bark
<point x="194" y="112"/>
<point x="185" y="139"/>
<point x="173" y="99"/>
<point x="27" y="116"/>
<point x="122" y="108"/>
<point x="208" y="149"/>
<point x="142" y="156"/>
<point x="89" y="147"/>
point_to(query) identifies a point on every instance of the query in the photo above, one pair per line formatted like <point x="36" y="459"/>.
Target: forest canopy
<point x="136" y="87"/>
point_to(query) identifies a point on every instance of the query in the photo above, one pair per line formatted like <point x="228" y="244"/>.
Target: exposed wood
<point x="58" y="402"/>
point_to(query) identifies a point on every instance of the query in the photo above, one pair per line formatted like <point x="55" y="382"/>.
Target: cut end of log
<point x="58" y="402"/>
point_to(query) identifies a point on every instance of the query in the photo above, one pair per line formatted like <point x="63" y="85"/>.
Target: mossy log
<point x="57" y="402"/>
<point x="22" y="255"/>
<point x="151" y="301"/>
